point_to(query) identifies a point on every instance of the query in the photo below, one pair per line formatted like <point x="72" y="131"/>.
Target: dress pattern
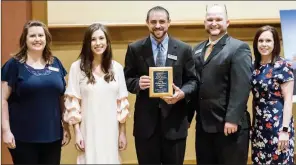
<point x="268" y="103"/>
<point x="98" y="108"/>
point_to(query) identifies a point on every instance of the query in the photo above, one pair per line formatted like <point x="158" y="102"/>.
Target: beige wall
<point x="78" y="12"/>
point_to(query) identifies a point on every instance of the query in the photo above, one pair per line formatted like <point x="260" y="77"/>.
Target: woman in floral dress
<point x="272" y="135"/>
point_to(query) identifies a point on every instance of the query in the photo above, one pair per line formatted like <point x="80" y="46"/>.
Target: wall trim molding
<point x="187" y="31"/>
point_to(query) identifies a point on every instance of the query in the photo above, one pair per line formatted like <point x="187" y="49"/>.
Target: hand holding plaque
<point x="161" y="81"/>
<point x="178" y="95"/>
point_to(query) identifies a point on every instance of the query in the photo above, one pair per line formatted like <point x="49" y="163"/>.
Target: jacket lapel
<point x="217" y="48"/>
<point x="172" y="50"/>
<point x="147" y="52"/>
<point x="202" y="56"/>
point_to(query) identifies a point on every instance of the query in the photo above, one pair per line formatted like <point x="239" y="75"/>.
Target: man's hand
<point x="178" y="95"/>
<point x="229" y="128"/>
<point x="144" y="82"/>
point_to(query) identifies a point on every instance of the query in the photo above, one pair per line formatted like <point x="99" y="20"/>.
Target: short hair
<point x="276" y="49"/>
<point x="220" y="5"/>
<point x="158" y="8"/>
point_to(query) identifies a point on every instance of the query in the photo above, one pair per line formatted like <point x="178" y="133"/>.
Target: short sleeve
<point x="9" y="72"/>
<point x="73" y="88"/>
<point x="285" y="72"/>
<point x="61" y="67"/>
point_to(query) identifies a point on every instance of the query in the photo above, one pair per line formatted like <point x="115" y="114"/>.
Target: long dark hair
<point x="21" y="55"/>
<point x="87" y="57"/>
<point x="277" y="45"/>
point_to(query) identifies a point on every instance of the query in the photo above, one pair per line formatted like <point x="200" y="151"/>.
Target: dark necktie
<point x="160" y="58"/>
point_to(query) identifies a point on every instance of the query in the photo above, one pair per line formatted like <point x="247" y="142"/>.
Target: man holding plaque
<point x="160" y="119"/>
<point x="224" y="70"/>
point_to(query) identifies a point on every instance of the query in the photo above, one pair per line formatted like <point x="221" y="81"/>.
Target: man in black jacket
<point x="160" y="125"/>
<point x="224" y="70"/>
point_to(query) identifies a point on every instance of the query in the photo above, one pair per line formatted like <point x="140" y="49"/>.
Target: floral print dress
<point x="268" y="103"/>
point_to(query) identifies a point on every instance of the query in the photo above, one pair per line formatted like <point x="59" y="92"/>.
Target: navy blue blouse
<point x="34" y="103"/>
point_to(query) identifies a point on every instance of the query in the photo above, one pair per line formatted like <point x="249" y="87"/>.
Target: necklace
<point x="265" y="62"/>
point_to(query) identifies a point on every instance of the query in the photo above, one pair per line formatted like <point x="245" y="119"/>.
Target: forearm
<point x="287" y="92"/>
<point x="287" y="113"/>
<point x="76" y="128"/>
<point x="5" y="116"/>
<point x="122" y="128"/>
<point x="62" y="106"/>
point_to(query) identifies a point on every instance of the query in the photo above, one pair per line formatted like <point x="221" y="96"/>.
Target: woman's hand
<point x="8" y="139"/>
<point x="122" y="141"/>
<point x="283" y="142"/>
<point x="79" y="141"/>
<point x="67" y="135"/>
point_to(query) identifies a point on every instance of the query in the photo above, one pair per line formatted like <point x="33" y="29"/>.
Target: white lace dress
<point x="99" y="107"/>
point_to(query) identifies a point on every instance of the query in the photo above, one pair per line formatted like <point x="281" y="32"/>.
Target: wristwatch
<point x="285" y="129"/>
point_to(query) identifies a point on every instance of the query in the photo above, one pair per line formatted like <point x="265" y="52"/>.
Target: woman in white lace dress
<point x="96" y="100"/>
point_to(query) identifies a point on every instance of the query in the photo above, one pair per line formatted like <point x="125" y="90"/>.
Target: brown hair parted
<point x="157" y="8"/>
<point x="21" y="55"/>
<point x="87" y="56"/>
<point x="277" y="45"/>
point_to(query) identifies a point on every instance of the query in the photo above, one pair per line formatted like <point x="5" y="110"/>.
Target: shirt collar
<point x="164" y="42"/>
<point x="214" y="42"/>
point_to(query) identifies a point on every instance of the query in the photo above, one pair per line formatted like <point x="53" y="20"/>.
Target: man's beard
<point x="159" y="37"/>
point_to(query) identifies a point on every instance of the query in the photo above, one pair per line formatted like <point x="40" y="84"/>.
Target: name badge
<point x="198" y="51"/>
<point x="173" y="57"/>
<point x="53" y="69"/>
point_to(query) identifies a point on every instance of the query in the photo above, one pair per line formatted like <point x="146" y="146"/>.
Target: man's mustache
<point x="157" y="29"/>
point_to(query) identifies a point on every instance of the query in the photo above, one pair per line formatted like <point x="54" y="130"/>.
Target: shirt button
<point x="201" y="98"/>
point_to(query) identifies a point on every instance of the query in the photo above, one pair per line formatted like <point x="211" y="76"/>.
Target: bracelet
<point x="285" y="129"/>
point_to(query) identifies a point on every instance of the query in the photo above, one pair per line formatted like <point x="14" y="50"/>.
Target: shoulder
<point x="75" y="65"/>
<point x="12" y="63"/>
<point x="236" y="43"/>
<point x="116" y="65"/>
<point x="137" y="43"/>
<point x="199" y="45"/>
<point x="282" y="63"/>
<point x="180" y="43"/>
<point x="57" y="61"/>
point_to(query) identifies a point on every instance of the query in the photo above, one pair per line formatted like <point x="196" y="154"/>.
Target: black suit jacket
<point x="223" y="85"/>
<point x="139" y="57"/>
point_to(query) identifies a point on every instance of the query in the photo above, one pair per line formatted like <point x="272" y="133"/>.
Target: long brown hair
<point x="275" y="54"/>
<point x="87" y="57"/>
<point x="21" y="55"/>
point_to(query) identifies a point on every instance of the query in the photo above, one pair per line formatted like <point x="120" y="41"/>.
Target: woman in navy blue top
<point x="33" y="86"/>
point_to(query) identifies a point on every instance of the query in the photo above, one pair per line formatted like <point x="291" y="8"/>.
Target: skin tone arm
<point x="79" y="139"/>
<point x="8" y="137"/>
<point x="122" y="136"/>
<point x="287" y="91"/>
